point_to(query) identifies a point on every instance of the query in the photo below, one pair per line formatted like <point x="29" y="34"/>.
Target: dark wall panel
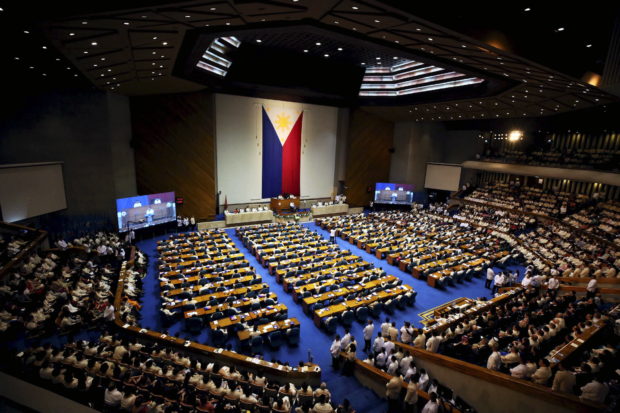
<point x="368" y="155"/>
<point x="174" y="144"/>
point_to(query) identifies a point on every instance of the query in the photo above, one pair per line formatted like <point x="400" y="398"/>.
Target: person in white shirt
<point x="431" y="406"/>
<point x="595" y="391"/>
<point x="368" y="330"/>
<point x="112" y="397"/>
<point x="553" y="284"/>
<point x="378" y="344"/>
<point x="335" y="352"/>
<point x="346" y="339"/>
<point x="498" y="282"/>
<point x="388" y="346"/>
<point x="411" y="397"/>
<point x="406" y="333"/>
<point x="495" y="359"/>
<point x="591" y="288"/>
<point x="420" y="340"/>
<point x="520" y="371"/>
<point x="490" y="276"/>
<point x="423" y="381"/>
<point x="381" y="358"/>
<point x="433" y="343"/>
<point x="385" y="328"/>
<point x="543" y="373"/>
<point x="332" y="236"/>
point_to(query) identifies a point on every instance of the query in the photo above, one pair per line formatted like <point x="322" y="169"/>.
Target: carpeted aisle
<point x="313" y="340"/>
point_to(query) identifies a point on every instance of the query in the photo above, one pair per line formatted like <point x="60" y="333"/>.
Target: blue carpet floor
<point x="314" y="342"/>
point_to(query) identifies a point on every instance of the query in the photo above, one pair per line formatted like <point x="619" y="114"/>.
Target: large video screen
<point x="390" y="193"/>
<point x="145" y="211"/>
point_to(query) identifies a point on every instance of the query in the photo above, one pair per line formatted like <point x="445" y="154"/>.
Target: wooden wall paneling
<point x="174" y="146"/>
<point x="369" y="141"/>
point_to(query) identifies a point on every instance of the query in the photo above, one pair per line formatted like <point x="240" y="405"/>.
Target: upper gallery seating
<point x="601" y="219"/>
<point x="206" y="280"/>
<point x="526" y="199"/>
<point x="14" y="240"/>
<point x="584" y="152"/>
<point x="331" y="284"/>
<point x="429" y="244"/>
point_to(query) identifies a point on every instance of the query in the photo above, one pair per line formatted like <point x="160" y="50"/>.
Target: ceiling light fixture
<point x="126" y="23"/>
<point x="71" y="34"/>
<point x="93" y="44"/>
<point x="589" y="45"/>
<point x="318" y="43"/>
<point x="560" y="29"/>
<point x="259" y="41"/>
<point x="527" y="9"/>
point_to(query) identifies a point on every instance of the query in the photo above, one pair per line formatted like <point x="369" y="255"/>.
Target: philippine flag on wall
<point x="281" y="150"/>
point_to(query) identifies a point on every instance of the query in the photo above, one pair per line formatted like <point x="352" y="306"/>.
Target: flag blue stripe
<point x="272" y="160"/>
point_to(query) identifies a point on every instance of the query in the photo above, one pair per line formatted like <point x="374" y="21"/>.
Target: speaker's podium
<point x="280" y="205"/>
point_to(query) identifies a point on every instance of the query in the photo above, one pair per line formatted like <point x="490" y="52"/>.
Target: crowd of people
<point x="601" y="219"/>
<point x="63" y="290"/>
<point x="513" y="196"/>
<point x="116" y="374"/>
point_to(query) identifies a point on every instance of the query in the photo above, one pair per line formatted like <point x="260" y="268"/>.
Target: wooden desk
<point x="225" y="283"/>
<point x="252" y="315"/>
<point x="196" y="278"/>
<point x="558" y="355"/>
<point x="263" y="329"/>
<point x="323" y="313"/>
<point x="279" y="205"/>
<point x="239" y="304"/>
<point x="217" y="296"/>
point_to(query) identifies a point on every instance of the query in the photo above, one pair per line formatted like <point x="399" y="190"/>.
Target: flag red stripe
<point x="291" y="159"/>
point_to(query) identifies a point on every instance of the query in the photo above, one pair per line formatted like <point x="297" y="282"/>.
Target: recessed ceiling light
<point x="212" y="9"/>
<point x="589" y="45"/>
<point x="58" y="59"/>
<point x="94" y="44"/>
<point x="154" y="52"/>
<point x="259" y="41"/>
<point x="44" y="74"/>
<point x="109" y="70"/>
<point x="430" y="39"/>
<point x="85" y="51"/>
<point x="103" y="59"/>
<point x="527" y="9"/>
<point x="340" y="49"/>
<point x="126" y="23"/>
<point x="44" y="47"/>
<point x="1" y="9"/>
<point x="16" y="58"/>
<point x="31" y="67"/>
<point x="560" y="29"/>
<point x="395" y="58"/>
<point x="75" y="75"/>
<point x="363" y="64"/>
<point x="68" y="67"/>
<point x="84" y="22"/>
<point x="71" y="34"/>
<point x="378" y="58"/>
<point x="95" y="65"/>
<point x="326" y="55"/>
<point x="26" y="32"/>
<point x="377" y="21"/>
<point x="164" y="43"/>
<point x="188" y="16"/>
<point x="154" y="37"/>
<point x="355" y="7"/>
<point x="227" y="23"/>
<point x="318" y="43"/>
<point x="305" y="50"/>
<point x="336" y="22"/>
<point x="144" y="17"/>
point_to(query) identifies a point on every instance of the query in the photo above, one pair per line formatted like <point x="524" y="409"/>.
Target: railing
<point x="489" y="391"/>
<point x="32" y="245"/>
<point x="311" y="373"/>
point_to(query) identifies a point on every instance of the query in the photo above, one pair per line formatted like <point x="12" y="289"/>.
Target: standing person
<point x="368" y="330"/>
<point x="186" y="224"/>
<point x="411" y="398"/>
<point x="332" y="236"/>
<point x="498" y="282"/>
<point x="490" y="276"/>
<point x="592" y="287"/>
<point x="335" y="352"/>
<point x="431" y="406"/>
<point x="192" y="221"/>
<point x="553" y="284"/>
<point x="392" y="392"/>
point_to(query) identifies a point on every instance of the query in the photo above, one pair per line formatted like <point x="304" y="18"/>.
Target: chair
<point x="347" y="317"/>
<point x="331" y="325"/>
<point x="275" y="339"/>
<point x="256" y="343"/>
<point x="411" y="296"/>
<point x="376" y="308"/>
<point x="389" y="306"/>
<point x="194" y="325"/>
<point x="293" y="336"/>
<point x="401" y="301"/>
<point x="219" y="336"/>
<point x="362" y="314"/>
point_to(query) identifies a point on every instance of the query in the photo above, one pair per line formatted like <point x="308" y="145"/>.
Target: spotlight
<point x="515" y="135"/>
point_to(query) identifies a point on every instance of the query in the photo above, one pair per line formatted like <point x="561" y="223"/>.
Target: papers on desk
<point x="575" y="344"/>
<point x="125" y="325"/>
<point x="218" y="351"/>
<point x="143" y="330"/>
<point x="192" y="313"/>
<point x="187" y="343"/>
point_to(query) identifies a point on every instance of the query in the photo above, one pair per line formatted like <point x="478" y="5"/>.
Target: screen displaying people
<point x="391" y="193"/>
<point x="145" y="210"/>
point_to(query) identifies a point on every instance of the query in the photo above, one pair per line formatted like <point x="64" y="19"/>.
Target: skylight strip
<point x="405" y="65"/>
<point x="420" y="81"/>
<point x="420" y="89"/>
<point x="217" y="45"/>
<point x="232" y="40"/>
<point x="417" y="72"/>
<point x="210" y="68"/>
<point x="208" y="55"/>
